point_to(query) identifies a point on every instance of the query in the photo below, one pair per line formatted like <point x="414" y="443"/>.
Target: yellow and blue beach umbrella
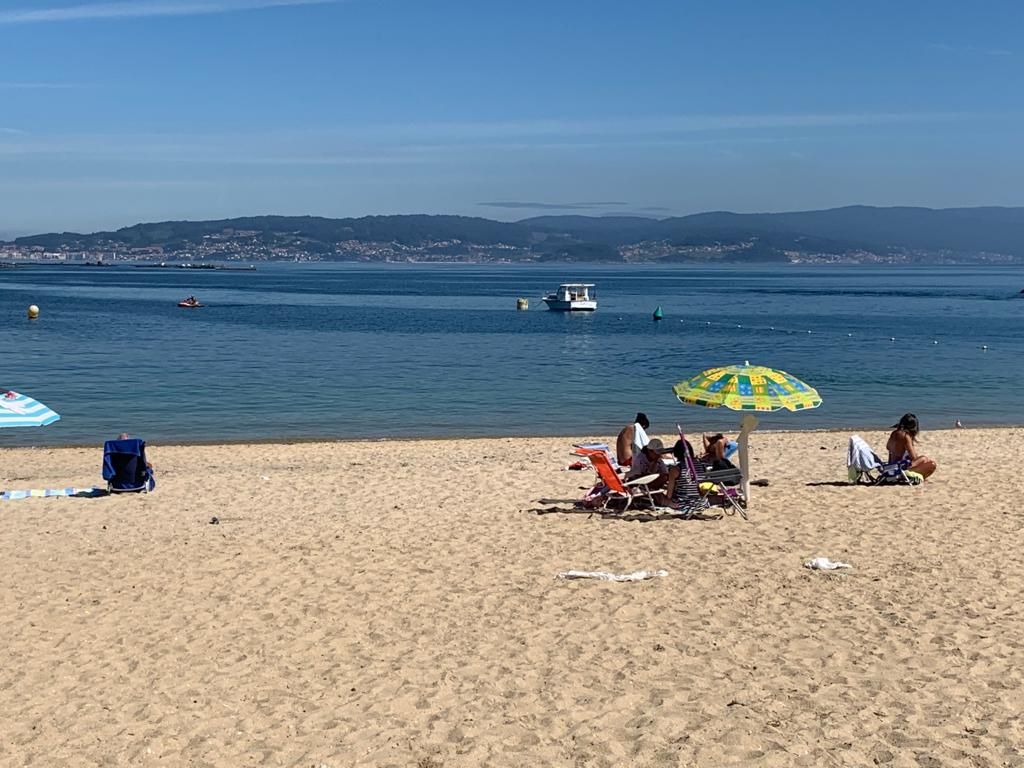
<point x="17" y="410"/>
<point x="747" y="388"/>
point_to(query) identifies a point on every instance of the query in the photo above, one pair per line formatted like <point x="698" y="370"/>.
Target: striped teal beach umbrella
<point x="17" y="410"/>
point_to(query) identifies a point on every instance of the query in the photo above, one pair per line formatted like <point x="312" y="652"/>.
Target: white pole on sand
<point x="747" y="425"/>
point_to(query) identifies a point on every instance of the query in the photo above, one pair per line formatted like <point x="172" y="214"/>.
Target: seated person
<point x="649" y="462"/>
<point x="717" y="450"/>
<point x="902" y="447"/>
<point x="680" y="484"/>
<point x="631" y="440"/>
<point x="125" y="467"/>
<point x="126" y="436"/>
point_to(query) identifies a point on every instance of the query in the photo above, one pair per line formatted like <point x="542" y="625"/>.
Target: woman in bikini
<point x="715" y="449"/>
<point x="902" y="446"/>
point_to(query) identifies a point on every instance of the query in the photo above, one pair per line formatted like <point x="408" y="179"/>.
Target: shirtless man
<point x="901" y="446"/>
<point x="631" y="439"/>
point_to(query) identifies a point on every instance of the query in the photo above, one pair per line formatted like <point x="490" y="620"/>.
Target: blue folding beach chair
<point x="125" y="468"/>
<point x="863" y="466"/>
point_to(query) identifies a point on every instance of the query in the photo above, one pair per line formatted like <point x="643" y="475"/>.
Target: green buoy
<point x="658" y="314"/>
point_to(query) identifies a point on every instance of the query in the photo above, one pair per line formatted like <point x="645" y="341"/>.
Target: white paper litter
<point x="824" y="564"/>
<point x="606" y="576"/>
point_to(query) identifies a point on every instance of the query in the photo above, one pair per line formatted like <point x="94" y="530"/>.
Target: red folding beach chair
<point x="619" y="489"/>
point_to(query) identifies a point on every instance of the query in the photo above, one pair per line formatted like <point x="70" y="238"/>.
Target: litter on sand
<point x="824" y="564"/>
<point x="606" y="576"/>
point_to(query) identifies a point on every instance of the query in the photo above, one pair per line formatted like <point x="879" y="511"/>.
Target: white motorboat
<point x="573" y="297"/>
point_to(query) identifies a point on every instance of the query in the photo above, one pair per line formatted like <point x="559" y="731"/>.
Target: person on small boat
<point x="902" y="446"/>
<point x="631" y="440"/>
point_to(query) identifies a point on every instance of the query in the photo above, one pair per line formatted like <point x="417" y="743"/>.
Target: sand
<point x="394" y="604"/>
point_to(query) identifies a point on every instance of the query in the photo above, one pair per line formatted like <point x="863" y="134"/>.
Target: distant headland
<point x="854" y="234"/>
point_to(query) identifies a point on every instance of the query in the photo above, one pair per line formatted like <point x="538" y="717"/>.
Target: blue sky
<point x="140" y="110"/>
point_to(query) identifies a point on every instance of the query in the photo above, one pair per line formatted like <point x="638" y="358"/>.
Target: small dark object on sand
<point x="214" y="521"/>
<point x="761" y="483"/>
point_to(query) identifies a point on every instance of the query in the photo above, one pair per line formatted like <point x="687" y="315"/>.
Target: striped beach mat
<point x="53" y="493"/>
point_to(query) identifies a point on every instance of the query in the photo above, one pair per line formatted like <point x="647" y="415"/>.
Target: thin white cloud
<point x="129" y="9"/>
<point x="970" y="49"/>
<point x="102" y="183"/>
<point x="384" y="144"/>
<point x="637" y="126"/>
<point x="36" y="86"/>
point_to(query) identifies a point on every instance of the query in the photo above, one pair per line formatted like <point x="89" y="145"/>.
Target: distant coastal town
<point x="856" y="235"/>
<point x="243" y="248"/>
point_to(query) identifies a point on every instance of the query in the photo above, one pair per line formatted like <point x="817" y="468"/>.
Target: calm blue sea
<point x="341" y="351"/>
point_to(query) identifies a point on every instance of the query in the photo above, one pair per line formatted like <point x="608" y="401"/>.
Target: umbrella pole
<point x="747" y="425"/>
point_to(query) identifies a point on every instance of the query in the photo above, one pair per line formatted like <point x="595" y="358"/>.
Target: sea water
<point x="359" y="350"/>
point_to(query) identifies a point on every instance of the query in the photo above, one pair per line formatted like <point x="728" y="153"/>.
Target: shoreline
<point x="577" y="437"/>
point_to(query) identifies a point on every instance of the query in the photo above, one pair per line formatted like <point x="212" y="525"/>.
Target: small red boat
<point x="190" y="303"/>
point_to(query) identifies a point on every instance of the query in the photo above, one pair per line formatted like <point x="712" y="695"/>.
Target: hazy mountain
<point x="719" y="235"/>
<point x="409" y="230"/>
<point x="957" y="229"/>
<point x="970" y="230"/>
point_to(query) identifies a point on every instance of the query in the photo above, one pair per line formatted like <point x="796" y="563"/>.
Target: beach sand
<point x="394" y="604"/>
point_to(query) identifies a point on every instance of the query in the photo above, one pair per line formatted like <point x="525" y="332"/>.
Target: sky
<point x="123" y="111"/>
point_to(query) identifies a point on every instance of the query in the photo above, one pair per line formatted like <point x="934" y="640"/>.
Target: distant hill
<point x="999" y="230"/>
<point x="408" y="230"/>
<point x="969" y="230"/>
<point x="854" y="232"/>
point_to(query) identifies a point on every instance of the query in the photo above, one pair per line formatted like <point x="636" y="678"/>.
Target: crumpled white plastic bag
<point x="824" y="564"/>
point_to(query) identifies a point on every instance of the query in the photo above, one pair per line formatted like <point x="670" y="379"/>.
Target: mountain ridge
<point x="856" y="231"/>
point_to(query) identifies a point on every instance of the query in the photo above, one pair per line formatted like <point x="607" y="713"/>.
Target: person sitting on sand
<point x="631" y="440"/>
<point x="649" y="462"/>
<point x="902" y="446"/>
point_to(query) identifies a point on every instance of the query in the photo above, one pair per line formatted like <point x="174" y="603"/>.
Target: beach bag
<point x="594" y="498"/>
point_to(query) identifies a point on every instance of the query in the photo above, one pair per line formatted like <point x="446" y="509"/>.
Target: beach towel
<point x="585" y="449"/>
<point x="860" y="459"/>
<point x="125" y="467"/>
<point x="53" y="493"/>
<point x="640" y="439"/>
